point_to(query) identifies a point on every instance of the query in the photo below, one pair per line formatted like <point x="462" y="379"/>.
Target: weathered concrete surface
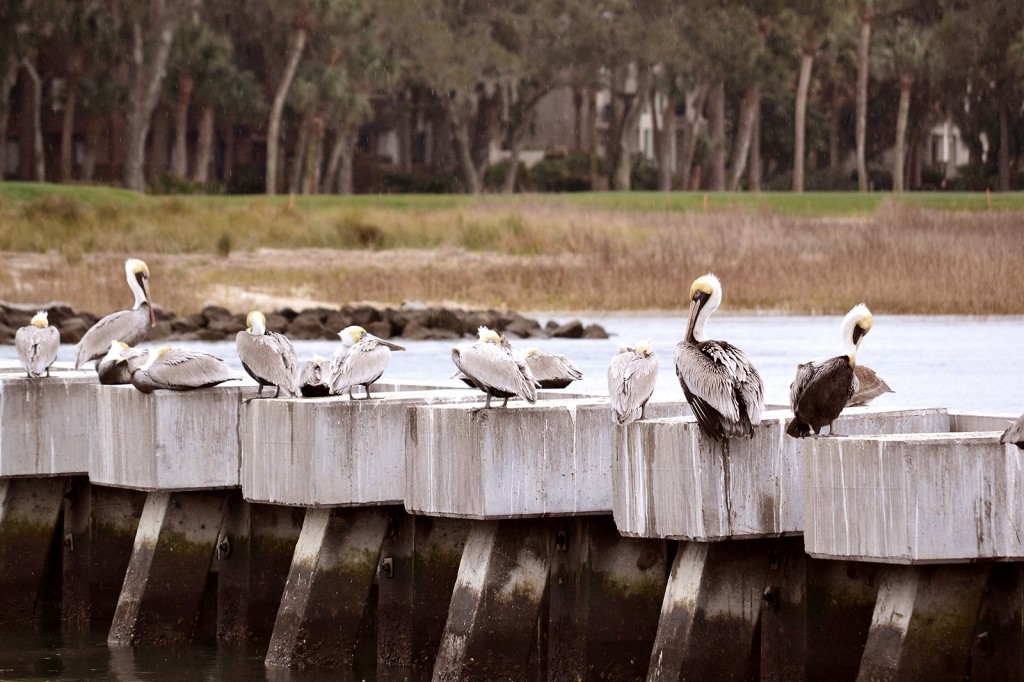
<point x="525" y="460"/>
<point x="784" y="617"/>
<point x="914" y="498"/>
<point x="671" y="481"/>
<point x="328" y="589"/>
<point x="997" y="652"/>
<point x="924" y="623"/>
<point x="604" y="600"/>
<point x="29" y="509"/>
<point x="419" y="564"/>
<point x="980" y="421"/>
<point x="167" y="574"/>
<point x="99" y="531"/>
<point x="840" y="601"/>
<point x="710" y="613"/>
<point x="167" y="440"/>
<point x="318" y="452"/>
<point x="46" y="424"/>
<point x="493" y="619"/>
<point x="252" y="559"/>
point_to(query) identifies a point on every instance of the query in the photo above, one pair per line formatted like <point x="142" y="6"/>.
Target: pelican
<point x="128" y="326"/>
<point x="348" y="339"/>
<point x="364" y="362"/>
<point x="313" y="378"/>
<point x="493" y="368"/>
<point x="180" y="369"/>
<point x="867" y="387"/>
<point x="268" y="357"/>
<point x="116" y="366"/>
<point x="1014" y="434"/>
<point x="821" y="390"/>
<point x="632" y="374"/>
<point x="550" y="370"/>
<point x="722" y="386"/>
<point x="37" y="345"/>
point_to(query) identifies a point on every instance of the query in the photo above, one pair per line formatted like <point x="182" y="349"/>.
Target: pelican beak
<point x="144" y="283"/>
<point x="696" y="305"/>
<point x="858" y="334"/>
<point x="392" y="346"/>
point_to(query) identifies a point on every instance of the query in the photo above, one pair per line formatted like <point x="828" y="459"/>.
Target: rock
<point x="362" y="315"/>
<point x="569" y="330"/>
<point x="306" y="325"/>
<point x="74" y="328"/>
<point x="188" y="324"/>
<point x="287" y="313"/>
<point x="381" y="329"/>
<point x="414" y="331"/>
<point x="277" y="323"/>
<point x="228" y="326"/>
<point x="161" y="330"/>
<point x="215" y="312"/>
<point x="333" y="322"/>
<point x="595" y="331"/>
<point x="524" y="328"/>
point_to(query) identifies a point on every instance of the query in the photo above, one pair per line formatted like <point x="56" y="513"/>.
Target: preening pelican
<point x="364" y="362"/>
<point x="313" y="375"/>
<point x="37" y="345"/>
<point x="722" y="386"/>
<point x="180" y="369"/>
<point x="1014" y="434"/>
<point x="493" y="368"/>
<point x="821" y="390"/>
<point x="128" y="326"/>
<point x="632" y="374"/>
<point x="116" y="366"/>
<point x="268" y="357"/>
<point x="867" y="387"/>
<point x="551" y="370"/>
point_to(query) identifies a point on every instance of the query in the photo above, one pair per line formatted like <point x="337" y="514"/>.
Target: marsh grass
<point x="596" y="251"/>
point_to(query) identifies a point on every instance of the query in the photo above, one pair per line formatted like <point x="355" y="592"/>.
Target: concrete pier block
<point x="493" y="619"/>
<point x="167" y="440"/>
<point x="328" y="588"/>
<point x="924" y="622"/>
<point x="29" y="509"/>
<point x="333" y="452"/>
<point x="419" y="565"/>
<point x="840" y="601"/>
<point x="980" y="421"/>
<point x="524" y="460"/>
<point x="46" y="424"/>
<point x="914" y="498"/>
<point x="99" y="531"/>
<point x="710" y="613"/>
<point x="784" y="614"/>
<point x="997" y="652"/>
<point x="167" y="574"/>
<point x="672" y="481"/>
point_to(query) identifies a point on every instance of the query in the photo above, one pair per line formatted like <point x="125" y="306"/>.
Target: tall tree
<point x="866" y="14"/>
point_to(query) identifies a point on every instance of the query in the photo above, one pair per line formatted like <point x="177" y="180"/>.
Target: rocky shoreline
<point x="410" y="321"/>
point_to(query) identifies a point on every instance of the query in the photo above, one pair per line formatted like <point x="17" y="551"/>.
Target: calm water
<point x="961" y="363"/>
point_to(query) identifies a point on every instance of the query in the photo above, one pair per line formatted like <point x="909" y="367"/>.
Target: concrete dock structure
<point x="411" y="536"/>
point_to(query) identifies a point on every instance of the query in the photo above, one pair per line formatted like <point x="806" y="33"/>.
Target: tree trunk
<point x="863" y="65"/>
<point x="1004" y="148"/>
<point x="695" y="100"/>
<point x="314" y="162"/>
<point x="204" y="146"/>
<point x="301" y="148"/>
<point x="7" y="80"/>
<point x="277" y="109"/>
<point x="899" y="156"/>
<point x="508" y="186"/>
<point x="716" y="113"/>
<point x="93" y="130"/>
<point x="596" y="177"/>
<point x="741" y="150"/>
<point x="578" y="94"/>
<point x="39" y="160"/>
<point x="405" y="126"/>
<point x="229" y="151"/>
<point x="76" y="65"/>
<point x="665" y="144"/>
<point x="754" y="170"/>
<point x="800" y="124"/>
<point x="179" y="162"/>
<point x="346" y="176"/>
<point x="835" y="113"/>
<point x="626" y="110"/>
<point x="460" y="110"/>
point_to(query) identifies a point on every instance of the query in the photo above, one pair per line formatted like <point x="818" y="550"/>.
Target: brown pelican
<point x="821" y="390"/>
<point x="550" y="370"/>
<point x="364" y="362"/>
<point x="128" y="326"/>
<point x="37" y="345"/>
<point x="180" y="369"/>
<point x="1014" y="434"/>
<point x="116" y="366"/>
<point x="348" y="339"/>
<point x="632" y="374"/>
<point x="722" y="386"/>
<point x="867" y="387"/>
<point x="493" y="368"/>
<point x="268" y="357"/>
<point x="313" y="377"/>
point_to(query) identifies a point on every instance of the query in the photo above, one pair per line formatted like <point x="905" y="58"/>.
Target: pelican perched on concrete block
<point x="722" y="386"/>
<point x="364" y="362"/>
<point x="37" y="344"/>
<point x="551" y="370"/>
<point x="115" y="368"/>
<point x="1015" y="434"/>
<point x="180" y="369"/>
<point x="314" y="378"/>
<point x="822" y="389"/>
<point x="867" y="387"/>
<point x="632" y="373"/>
<point x="268" y="357"/>
<point x="491" y="366"/>
<point x="127" y="326"/>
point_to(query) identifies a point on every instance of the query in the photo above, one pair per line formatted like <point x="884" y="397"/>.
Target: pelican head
<point x="530" y="352"/>
<point x="350" y="336"/>
<point x="116" y="352"/>
<point x="854" y="327"/>
<point x="256" y="323"/>
<point x="643" y="348"/>
<point x="154" y="355"/>
<point x="488" y="335"/>
<point x="39" y="319"/>
<point x="705" y="297"/>
<point x="137" y="273"/>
